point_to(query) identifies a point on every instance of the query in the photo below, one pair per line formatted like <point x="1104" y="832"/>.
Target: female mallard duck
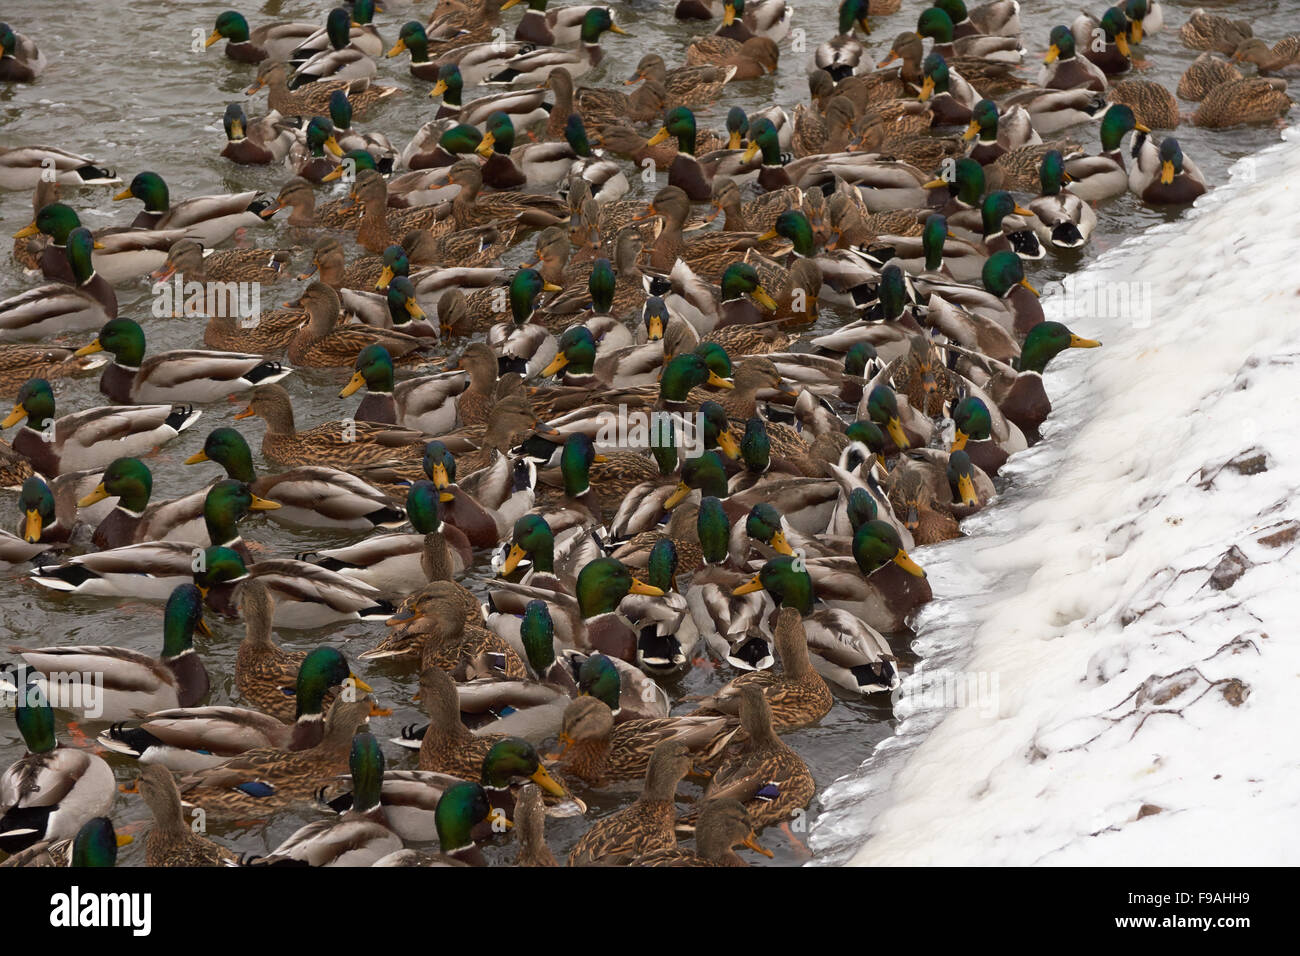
<point x="645" y="826"/>
<point x="1209" y="31"/>
<point x="1064" y="70"/>
<point x="21" y="61"/>
<point x="448" y="746"/>
<point x="798" y="696"/>
<point x="134" y="682"/>
<point x="324" y="342"/>
<point x="750" y="59"/>
<point x="597" y="751"/>
<point x="259" y="782"/>
<point x="61" y="307"/>
<point x="603" y="107"/>
<point x="297" y="194"/>
<point x="723" y="826"/>
<point x="197" y="738"/>
<point x="192" y="263"/>
<point x="340" y="59"/>
<point x="1206" y="72"/>
<point x="271" y="41"/>
<point x="687" y="86"/>
<point x="758" y="769"/>
<point x="426" y="404"/>
<point x="209" y="219"/>
<point x="1093" y="178"/>
<point x="1256" y="99"/>
<point x="181" y="375"/>
<point x="692" y="174"/>
<point x="1152" y="104"/>
<point x="1061" y="218"/>
<point x="1282" y="57"/>
<point x="312" y="496"/>
<point x="534" y="65"/>
<point x="263" y="670"/>
<point x="93" y="438"/>
<point x="255" y="144"/>
<point x="313" y="99"/>
<point x="1163" y="175"/>
<point x="755" y="215"/>
<point x="52" y="790"/>
<point x="379" y="222"/>
<point x="938" y="26"/>
<point x="530" y="824"/>
<point x="1113" y="56"/>
<point x="358" y="837"/>
<point x="469" y="208"/>
<point x="349" y="444"/>
<point x="814" y="134"/>
<point x="710" y="252"/>
<point x="393" y="564"/>
<point x="171" y="840"/>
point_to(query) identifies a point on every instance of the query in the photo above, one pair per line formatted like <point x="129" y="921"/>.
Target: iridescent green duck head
<point x="654" y="316"/>
<point x="374" y="371"/>
<point x="714" y="530"/>
<point x="1114" y="23"/>
<point x="235" y="123"/>
<point x="576" y="353"/>
<point x="123" y="339"/>
<point x="537" y="634"/>
<point x="532" y="538"/>
<point x="525" y="287"/>
<point x="229" y="26"/>
<point x="219" y="565"/>
<point x="598" y="677"/>
<point x="961" y="479"/>
<point x="35" y="403"/>
<point x="866" y="433"/>
<point x="997" y="206"/>
<point x="704" y="473"/>
<point x="853" y="13"/>
<point x="934" y="233"/>
<point x="499" y="136"/>
<point x="150" y="189"/>
<point x="340" y="110"/>
<point x="424" y="506"/>
<point x="225" y="504"/>
<point x="229" y="449"/>
<point x="439" y="465"/>
<point x="787" y="580"/>
<point x="794" y="226"/>
<point x="716" y="429"/>
<point x="1117" y="122"/>
<point x="741" y="279"/>
<point x="512" y="760"/>
<point x="412" y="38"/>
<point x="661" y="565"/>
<point x="463" y="809"/>
<point x="756" y="446"/>
<point x="685" y="372"/>
<point x="935" y="24"/>
<point x="1171" y="161"/>
<point x="595" y="22"/>
<point x="450" y="83"/>
<point x="934" y="75"/>
<point x="601" y="285"/>
<point x="55" y="220"/>
<point x="460" y="140"/>
<point x="1002" y="272"/>
<point x="737" y="127"/>
<point x="1060" y="44"/>
<point x="320" y="138"/>
<point x="764" y="138"/>
<point x="678" y="122"/>
<point x="127" y="479"/>
<point x="182" y="616"/>
<point x="860" y="508"/>
<point x="983" y="122"/>
<point x="971" y="416"/>
<point x="322" y="670"/>
<point x="1052" y="176"/>
<point x="36" y="502"/>
<point x="96" y="844"/>
<point x="603" y="583"/>
<point x="964" y="182"/>
<point x="366" y="764"/>
<point x="876" y="544"/>
<point x="1045" y="341"/>
<point x="396" y="263"/>
<point x="882" y="408"/>
<point x="764" y="523"/>
<point x="576" y="458"/>
<point x="575" y="133"/>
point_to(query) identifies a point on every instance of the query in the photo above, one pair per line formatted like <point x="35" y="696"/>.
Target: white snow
<point x="1127" y="674"/>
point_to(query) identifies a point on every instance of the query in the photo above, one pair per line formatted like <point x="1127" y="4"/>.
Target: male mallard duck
<point x="994" y="18"/>
<point x="171" y="840"/>
<point x="1163" y="175"/>
<point x="1061" y="218"/>
<point x="844" y="55"/>
<point x="1093" y="178"/>
<point x="996" y="135"/>
<point x="21" y="61"/>
<point x="340" y="59"/>
<point x="255" y="144"/>
<point x="1064" y="70"/>
<point x="692" y="174"/>
<point x="93" y="438"/>
<point x="1051" y="111"/>
<point x="307" y="157"/>
<point x="426" y="404"/>
<point x="310" y="496"/>
<point x="1209" y="31"/>
<point x="262" y="781"/>
<point x="1145" y="16"/>
<point x="522" y="345"/>
<point x="758" y="769"/>
<point x="61" y="307"/>
<point x="1256" y="99"/>
<point x="181" y="375"/>
<point x="358" y="837"/>
<point x="798" y="696"/>
<point x="197" y="738"/>
<point x="52" y="790"/>
<point x="363" y="34"/>
<point x="348" y="443"/>
<point x="209" y="219"/>
<point x="646" y="825"/>
<point x="534" y="65"/>
<point x="21" y="167"/>
<point x="938" y="26"/>
<point x="95" y="844"/>
<point x="1019" y="393"/>
<point x="544" y="27"/>
<point x="526" y="108"/>
<point x="723" y="825"/>
<point x="1113" y="56"/>
<point x="271" y="41"/>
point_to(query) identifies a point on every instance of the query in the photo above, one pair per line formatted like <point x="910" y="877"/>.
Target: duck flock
<point x="706" y="430"/>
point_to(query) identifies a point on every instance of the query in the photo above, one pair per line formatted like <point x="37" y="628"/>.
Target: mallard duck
<point x="1051" y="111"/>
<point x="530" y="824"/>
<point x="255" y="144"/>
<point x="340" y="58"/>
<point x="1209" y="31"/>
<point x="764" y="18"/>
<point x="1018" y="392"/>
<point x="92" y="438"/>
<point x="798" y="696"/>
<point x="526" y="108"/>
<point x="347" y="443"/>
<point x="844" y="55"/>
<point x="521" y="345"/>
<point x="324" y="342"/>
<point x="1145" y="16"/>
<point x="996" y="135"/>
<point x="197" y="738"/>
<point x="1064" y="70"/>
<point x="262" y="781"/>
<point x="994" y="18"/>
<point x="270" y="41"/>
<point x="750" y="59"/>
<point x="723" y="825"/>
<point x="61" y="307"/>
<point x="21" y="167"/>
<point x="469" y="208"/>
<point x="426" y="404"/>
<point x="313" y="99"/>
<point x="1206" y="72"/>
<point x="309" y="496"/>
<point x="21" y="61"/>
<point x="1256" y="99"/>
<point x="646" y="825"/>
<point x="191" y="262"/>
<point x="1282" y="57"/>
<point x="544" y="27"/>
<point x="363" y="34"/>
<point x="758" y="769"/>
<point x="1093" y="178"/>
<point x="95" y="844"/>
<point x="1061" y="218"/>
<point x="181" y="375"/>
<point x="534" y="65"/>
<point x="1163" y="175"/>
<point x="448" y="746"/>
<point x="687" y="86"/>
<point x="1113" y="56"/>
<point x="692" y="174"/>
<point x="52" y="790"/>
<point x="171" y="840"/>
<point x="710" y="252"/>
<point x="413" y="39"/>
<point x="208" y="219"/>
<point x="938" y="26"/>
<point x="307" y="158"/>
<point x="393" y="564"/>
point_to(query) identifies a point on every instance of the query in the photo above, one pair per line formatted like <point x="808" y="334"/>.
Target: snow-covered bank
<point x="1129" y="600"/>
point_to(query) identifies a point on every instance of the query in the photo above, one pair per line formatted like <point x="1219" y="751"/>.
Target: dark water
<point x="124" y="86"/>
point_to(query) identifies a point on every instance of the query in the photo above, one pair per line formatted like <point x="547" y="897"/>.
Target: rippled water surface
<point x="124" y="86"/>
